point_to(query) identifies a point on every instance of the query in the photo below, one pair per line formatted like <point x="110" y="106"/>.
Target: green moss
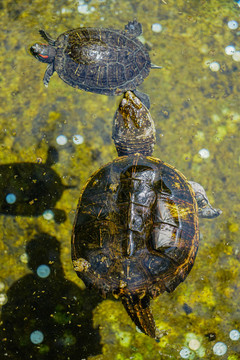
<point x="137" y="356"/>
<point x="124" y="338"/>
<point x="120" y="357"/>
<point x="43" y="349"/>
<point x="232" y="357"/>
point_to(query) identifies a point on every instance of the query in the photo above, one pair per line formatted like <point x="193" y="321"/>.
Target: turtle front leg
<point x="134" y="28"/>
<point x="48" y="74"/>
<point x="47" y="37"/>
<point x="205" y="209"/>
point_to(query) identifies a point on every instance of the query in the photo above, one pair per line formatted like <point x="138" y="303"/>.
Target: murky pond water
<point x="53" y="139"/>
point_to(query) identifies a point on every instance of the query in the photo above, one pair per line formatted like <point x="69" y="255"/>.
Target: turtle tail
<point x="139" y="311"/>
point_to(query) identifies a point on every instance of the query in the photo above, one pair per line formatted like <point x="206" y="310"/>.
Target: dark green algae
<point x="193" y="108"/>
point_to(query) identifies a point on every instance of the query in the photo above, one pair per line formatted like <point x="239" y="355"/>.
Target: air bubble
<point x="61" y="140"/>
<point x="233" y="24"/>
<point x="194" y="344"/>
<point x="219" y="348"/>
<point x="214" y="66"/>
<point x="204" y="153"/>
<point x="36" y="337"/>
<point x="78" y="139"/>
<point x="43" y="271"/>
<point x="234" y="335"/>
<point x="11" y="198"/>
<point x="230" y="50"/>
<point x="236" y="56"/>
<point x="185" y="353"/>
<point x="156" y="28"/>
<point x="48" y="215"/>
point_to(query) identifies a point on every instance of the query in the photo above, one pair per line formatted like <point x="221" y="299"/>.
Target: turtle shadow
<point x="30" y="189"/>
<point x="46" y="315"/>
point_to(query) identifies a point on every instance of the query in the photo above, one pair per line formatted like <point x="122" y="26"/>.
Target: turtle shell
<point x="104" y="61"/>
<point x="136" y="228"/>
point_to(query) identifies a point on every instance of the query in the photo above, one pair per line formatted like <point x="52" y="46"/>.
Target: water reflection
<point x="47" y="316"/>
<point x="29" y="189"/>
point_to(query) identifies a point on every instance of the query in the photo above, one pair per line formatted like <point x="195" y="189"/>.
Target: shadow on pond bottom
<point x="47" y="316"/>
<point x="32" y="189"/>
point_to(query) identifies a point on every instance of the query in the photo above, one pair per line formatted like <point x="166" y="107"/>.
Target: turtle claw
<point x="205" y="209"/>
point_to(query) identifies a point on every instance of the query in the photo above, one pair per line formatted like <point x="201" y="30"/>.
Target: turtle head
<point x="43" y="52"/>
<point x="133" y="127"/>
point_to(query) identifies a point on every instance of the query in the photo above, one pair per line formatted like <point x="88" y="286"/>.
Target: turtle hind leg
<point x="47" y="37"/>
<point x="139" y="311"/>
<point x="205" y="209"/>
<point x="134" y="28"/>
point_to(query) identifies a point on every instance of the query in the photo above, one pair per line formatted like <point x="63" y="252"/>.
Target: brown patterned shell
<point x="104" y="61"/>
<point x="136" y="228"/>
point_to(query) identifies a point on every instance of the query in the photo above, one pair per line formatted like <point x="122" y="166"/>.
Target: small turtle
<point x="103" y="61"/>
<point x="28" y="189"/>
<point x="136" y="231"/>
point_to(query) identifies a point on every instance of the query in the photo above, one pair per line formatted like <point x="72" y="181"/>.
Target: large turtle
<point x="136" y="232"/>
<point x="103" y="61"/>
